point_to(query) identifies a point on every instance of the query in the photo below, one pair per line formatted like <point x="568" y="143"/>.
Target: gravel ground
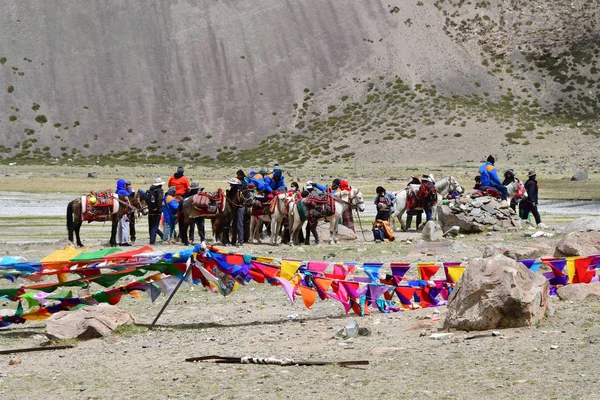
<point x="557" y="359"/>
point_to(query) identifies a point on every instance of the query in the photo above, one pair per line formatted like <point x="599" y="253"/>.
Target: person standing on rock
<point x="489" y="177"/>
<point x="530" y="200"/>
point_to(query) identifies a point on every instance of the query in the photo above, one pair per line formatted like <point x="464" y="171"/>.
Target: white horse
<point x="275" y="218"/>
<point x="443" y="187"/>
<point x="344" y="200"/>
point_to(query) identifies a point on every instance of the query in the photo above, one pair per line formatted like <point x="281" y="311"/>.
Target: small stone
<point x="553" y="347"/>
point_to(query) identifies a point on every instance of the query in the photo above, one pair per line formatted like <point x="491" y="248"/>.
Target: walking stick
<point x="186" y="273"/>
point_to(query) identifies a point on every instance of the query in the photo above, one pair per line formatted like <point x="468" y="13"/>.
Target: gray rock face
<point x="580" y="176"/>
<point x="584" y="224"/>
<point x="579" y="291"/>
<point x="87" y="323"/>
<point x="579" y="244"/>
<point x="497" y="293"/>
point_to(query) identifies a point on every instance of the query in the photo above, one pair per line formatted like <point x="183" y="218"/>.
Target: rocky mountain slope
<point x="251" y="82"/>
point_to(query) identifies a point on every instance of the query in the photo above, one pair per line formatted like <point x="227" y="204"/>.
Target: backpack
<point x="154" y="200"/>
<point x="378" y="234"/>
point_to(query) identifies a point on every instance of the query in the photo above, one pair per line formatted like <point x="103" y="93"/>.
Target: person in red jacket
<point x="181" y="183"/>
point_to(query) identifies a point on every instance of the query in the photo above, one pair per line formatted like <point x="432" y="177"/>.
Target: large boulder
<point x="532" y="250"/>
<point x="495" y="293"/>
<point x="580" y="176"/>
<point x="584" y="224"/>
<point x="431" y="232"/>
<point x="86" y="323"/>
<point x="578" y="244"/>
<point x="579" y="291"/>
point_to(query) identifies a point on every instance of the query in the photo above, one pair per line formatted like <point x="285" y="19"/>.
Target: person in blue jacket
<point x="169" y="209"/>
<point x="258" y="179"/>
<point x="489" y="177"/>
<point x="123" y="227"/>
<point x="275" y="181"/>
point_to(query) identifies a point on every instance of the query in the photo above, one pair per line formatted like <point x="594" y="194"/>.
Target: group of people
<point x="488" y="178"/>
<point x="167" y="206"/>
<point x="161" y="206"/>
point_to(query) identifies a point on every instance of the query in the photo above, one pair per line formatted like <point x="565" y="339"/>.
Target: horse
<point x="352" y="199"/>
<point x="443" y="187"/>
<point x="277" y="211"/>
<point x="126" y="204"/>
<point x="220" y="219"/>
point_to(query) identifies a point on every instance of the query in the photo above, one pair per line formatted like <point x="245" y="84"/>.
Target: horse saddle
<point x="262" y="206"/>
<point x="209" y="204"/>
<point x="99" y="206"/>
<point x="319" y="205"/>
<point x="412" y="200"/>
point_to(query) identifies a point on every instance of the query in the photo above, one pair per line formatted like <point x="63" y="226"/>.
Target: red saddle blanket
<point x="412" y="202"/>
<point x="319" y="205"/>
<point x="262" y="207"/>
<point x="209" y="204"/>
<point x="99" y="206"/>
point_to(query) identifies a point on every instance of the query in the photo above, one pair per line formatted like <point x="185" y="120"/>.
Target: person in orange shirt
<point x="181" y="183"/>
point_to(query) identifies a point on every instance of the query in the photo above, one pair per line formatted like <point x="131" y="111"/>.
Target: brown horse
<point x="126" y="204"/>
<point x="220" y="218"/>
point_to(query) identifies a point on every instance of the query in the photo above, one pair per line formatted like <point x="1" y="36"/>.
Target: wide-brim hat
<point x="416" y="176"/>
<point x="425" y="177"/>
<point x="234" y="181"/>
<point x="308" y="185"/>
<point x="531" y="173"/>
<point x="196" y="185"/>
<point x="157" y="182"/>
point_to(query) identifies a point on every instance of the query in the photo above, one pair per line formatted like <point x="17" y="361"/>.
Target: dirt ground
<point x="557" y="359"/>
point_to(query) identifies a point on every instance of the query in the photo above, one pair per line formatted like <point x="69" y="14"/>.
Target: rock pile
<point x="474" y="215"/>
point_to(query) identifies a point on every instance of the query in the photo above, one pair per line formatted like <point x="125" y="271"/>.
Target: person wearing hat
<point x="238" y="205"/>
<point x="198" y="221"/>
<point x="414" y="180"/>
<point x="489" y="177"/>
<point x="412" y="191"/>
<point x="154" y="199"/>
<point x="529" y="202"/>
<point x="170" y="205"/>
<point x="181" y="183"/>
<point x="275" y="181"/>
<point x="123" y="227"/>
<point x="428" y="194"/>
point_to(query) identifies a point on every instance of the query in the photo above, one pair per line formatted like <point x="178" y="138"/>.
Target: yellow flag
<point x="571" y="267"/>
<point x="264" y="260"/>
<point x="455" y="272"/>
<point x="289" y="268"/>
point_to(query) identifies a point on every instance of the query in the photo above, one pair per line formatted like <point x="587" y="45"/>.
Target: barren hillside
<point x="249" y="82"/>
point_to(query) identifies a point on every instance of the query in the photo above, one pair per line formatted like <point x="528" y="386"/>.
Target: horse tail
<point x="70" y="216"/>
